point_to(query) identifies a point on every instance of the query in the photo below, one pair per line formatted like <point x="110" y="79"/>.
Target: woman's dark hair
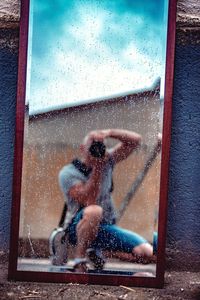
<point x="97" y="149"/>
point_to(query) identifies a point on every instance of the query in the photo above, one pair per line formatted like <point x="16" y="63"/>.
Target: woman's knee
<point x="93" y="212"/>
<point x="144" y="249"/>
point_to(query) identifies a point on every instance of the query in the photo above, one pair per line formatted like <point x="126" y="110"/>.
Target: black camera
<point x="97" y="149"/>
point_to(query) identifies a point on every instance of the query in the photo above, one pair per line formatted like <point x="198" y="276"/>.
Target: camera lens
<point x="97" y="149"/>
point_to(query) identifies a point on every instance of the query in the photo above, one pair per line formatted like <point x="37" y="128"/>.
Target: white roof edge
<point x="98" y="99"/>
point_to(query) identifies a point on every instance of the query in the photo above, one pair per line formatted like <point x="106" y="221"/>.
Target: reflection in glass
<point x="85" y="73"/>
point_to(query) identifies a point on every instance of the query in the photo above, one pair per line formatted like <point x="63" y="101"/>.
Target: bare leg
<point x="87" y="229"/>
<point x="140" y="254"/>
<point x="130" y="257"/>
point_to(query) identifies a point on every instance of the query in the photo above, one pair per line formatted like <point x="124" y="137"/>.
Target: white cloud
<point x="91" y="81"/>
<point x="82" y="66"/>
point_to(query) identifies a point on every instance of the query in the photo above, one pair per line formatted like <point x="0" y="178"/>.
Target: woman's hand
<point x="97" y="135"/>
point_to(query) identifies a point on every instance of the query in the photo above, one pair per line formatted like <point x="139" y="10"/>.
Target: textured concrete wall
<point x="9" y="19"/>
<point x="8" y="75"/>
<point x="9" y="10"/>
<point x="184" y="185"/>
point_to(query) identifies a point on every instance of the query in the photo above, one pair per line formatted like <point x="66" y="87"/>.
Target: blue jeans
<point x="110" y="236"/>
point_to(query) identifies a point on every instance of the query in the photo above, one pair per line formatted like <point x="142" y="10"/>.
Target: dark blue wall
<point x="184" y="191"/>
<point x="8" y="84"/>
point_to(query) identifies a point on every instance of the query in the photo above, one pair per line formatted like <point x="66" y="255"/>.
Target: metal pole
<point x="138" y="181"/>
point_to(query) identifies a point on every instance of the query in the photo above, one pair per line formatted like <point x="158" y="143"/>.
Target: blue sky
<point x="85" y="49"/>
